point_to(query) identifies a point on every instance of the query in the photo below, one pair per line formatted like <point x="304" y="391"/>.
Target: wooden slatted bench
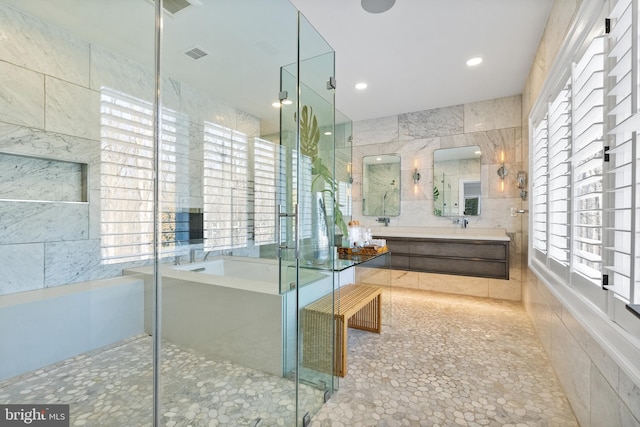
<point x="356" y="306"/>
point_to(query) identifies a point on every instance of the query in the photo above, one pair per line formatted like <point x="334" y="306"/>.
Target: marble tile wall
<point x="50" y="84"/>
<point x="599" y="390"/>
<point x="495" y="126"/>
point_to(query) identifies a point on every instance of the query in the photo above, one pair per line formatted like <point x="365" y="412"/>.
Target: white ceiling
<point x="413" y="56"/>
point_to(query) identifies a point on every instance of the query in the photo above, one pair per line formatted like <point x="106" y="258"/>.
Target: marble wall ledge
<point x="442" y="233"/>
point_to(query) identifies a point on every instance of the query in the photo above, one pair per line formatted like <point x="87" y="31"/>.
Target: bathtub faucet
<point x="192" y="256"/>
<point x="176" y="260"/>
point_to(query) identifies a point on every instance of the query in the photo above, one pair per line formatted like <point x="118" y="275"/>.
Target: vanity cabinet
<point x="465" y="257"/>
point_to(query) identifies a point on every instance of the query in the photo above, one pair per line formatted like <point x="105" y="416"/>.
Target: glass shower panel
<point x="225" y="320"/>
<point x="79" y="119"/>
<point x="317" y="196"/>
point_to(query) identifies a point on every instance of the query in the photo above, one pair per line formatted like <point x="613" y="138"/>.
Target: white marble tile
<point x="247" y="124"/>
<point x="375" y="131"/>
<point x="630" y="393"/>
<point x="49" y="145"/>
<point x="95" y="213"/>
<point x="431" y="123"/>
<point x="121" y="74"/>
<point x="473" y="286"/>
<point x="494" y="144"/>
<point x="73" y="261"/>
<point x="606" y="407"/>
<point x="21" y="96"/>
<point x="29" y="222"/>
<point x="43" y="48"/>
<point x="506" y="289"/>
<point x="558" y="22"/>
<point x="202" y="107"/>
<point x="607" y="367"/>
<point x="72" y="109"/>
<point x="22" y="267"/>
<point x="573" y="367"/>
<point x="41" y="179"/>
<point x="405" y="279"/>
<point x="374" y="276"/>
<point x="493" y="114"/>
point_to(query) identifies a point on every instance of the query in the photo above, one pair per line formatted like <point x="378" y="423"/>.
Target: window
<point x="585" y="209"/>
<point x="225" y="188"/>
<point x="126" y="159"/>
<point x="559" y="150"/>
<point x="539" y="184"/>
<point x="265" y="160"/>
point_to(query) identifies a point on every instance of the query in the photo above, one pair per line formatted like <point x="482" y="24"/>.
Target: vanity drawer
<point x="463" y="267"/>
<point x="399" y="246"/>
<point x="400" y="262"/>
<point x="463" y="249"/>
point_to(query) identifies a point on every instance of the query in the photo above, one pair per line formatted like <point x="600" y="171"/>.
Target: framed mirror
<point x="381" y="185"/>
<point x="456" y="181"/>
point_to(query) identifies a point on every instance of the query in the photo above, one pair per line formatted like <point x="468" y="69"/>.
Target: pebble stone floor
<point x="113" y="387"/>
<point x="446" y="360"/>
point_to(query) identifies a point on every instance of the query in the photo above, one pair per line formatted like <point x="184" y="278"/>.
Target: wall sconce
<point x="522" y="184"/>
<point x="416" y="176"/>
<point x="502" y="172"/>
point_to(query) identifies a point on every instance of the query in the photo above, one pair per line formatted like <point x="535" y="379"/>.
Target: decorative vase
<point x="317" y="249"/>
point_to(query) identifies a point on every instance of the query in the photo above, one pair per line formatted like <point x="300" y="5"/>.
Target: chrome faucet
<point x="192" y="256"/>
<point x="464" y="222"/>
<point x="176" y="260"/>
<point x="385" y="220"/>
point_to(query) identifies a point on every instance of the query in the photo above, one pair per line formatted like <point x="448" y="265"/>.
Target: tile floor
<point x="446" y="360"/>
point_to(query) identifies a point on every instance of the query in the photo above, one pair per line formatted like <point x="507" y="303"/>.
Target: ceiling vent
<point x="174" y="6"/>
<point x="195" y="52"/>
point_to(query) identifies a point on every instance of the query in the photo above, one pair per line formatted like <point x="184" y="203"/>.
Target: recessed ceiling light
<point x="287" y="102"/>
<point x="327" y="133"/>
<point x="377" y="6"/>
<point x="277" y="104"/>
<point x="361" y="85"/>
<point x="474" y="61"/>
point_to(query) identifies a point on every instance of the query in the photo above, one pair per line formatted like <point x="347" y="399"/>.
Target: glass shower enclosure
<point x="168" y="202"/>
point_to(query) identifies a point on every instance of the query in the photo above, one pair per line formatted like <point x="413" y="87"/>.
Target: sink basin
<point x="442" y="233"/>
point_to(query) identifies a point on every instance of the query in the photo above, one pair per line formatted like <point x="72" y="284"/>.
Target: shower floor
<point x="113" y="387"/>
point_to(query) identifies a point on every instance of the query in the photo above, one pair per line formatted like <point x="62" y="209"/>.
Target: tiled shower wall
<point x="495" y="126"/>
<point x="50" y="109"/>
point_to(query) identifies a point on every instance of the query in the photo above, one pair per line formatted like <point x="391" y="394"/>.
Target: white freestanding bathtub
<point x="231" y="308"/>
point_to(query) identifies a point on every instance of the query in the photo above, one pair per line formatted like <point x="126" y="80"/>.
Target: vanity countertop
<point x="498" y="234"/>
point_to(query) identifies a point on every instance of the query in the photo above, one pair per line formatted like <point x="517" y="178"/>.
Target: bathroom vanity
<point x="464" y="252"/>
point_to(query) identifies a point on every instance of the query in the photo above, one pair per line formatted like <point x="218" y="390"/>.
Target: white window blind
<point x="304" y="197"/>
<point x="265" y="160"/>
<point x="539" y="186"/>
<point x="344" y="198"/>
<point x="126" y="168"/>
<point x="559" y="149"/>
<point x="225" y="188"/>
<point x="588" y="114"/>
<point x="620" y="167"/>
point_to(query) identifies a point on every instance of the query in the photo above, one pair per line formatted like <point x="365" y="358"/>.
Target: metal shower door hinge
<point x="306" y="420"/>
<point x="331" y="83"/>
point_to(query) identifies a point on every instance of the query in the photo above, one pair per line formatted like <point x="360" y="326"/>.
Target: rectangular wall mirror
<point x="381" y="185"/>
<point x="456" y="181"/>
